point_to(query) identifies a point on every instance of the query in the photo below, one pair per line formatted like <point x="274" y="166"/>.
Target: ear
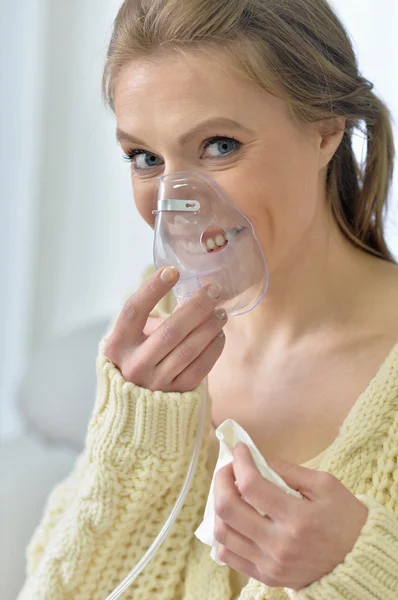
<point x="329" y="135"/>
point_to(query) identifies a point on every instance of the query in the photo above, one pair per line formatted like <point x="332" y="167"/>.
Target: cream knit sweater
<point x="101" y="520"/>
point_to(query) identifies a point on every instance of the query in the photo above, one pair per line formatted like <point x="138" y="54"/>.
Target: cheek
<point x="278" y="192"/>
<point x="144" y="198"/>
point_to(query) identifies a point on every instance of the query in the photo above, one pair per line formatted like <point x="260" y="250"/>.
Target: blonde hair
<point x="297" y="49"/>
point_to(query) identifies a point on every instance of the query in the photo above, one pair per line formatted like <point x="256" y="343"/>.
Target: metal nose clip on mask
<point x="199" y="229"/>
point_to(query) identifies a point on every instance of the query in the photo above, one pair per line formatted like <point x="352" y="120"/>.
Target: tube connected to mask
<point x="157" y="542"/>
<point x="200" y="230"/>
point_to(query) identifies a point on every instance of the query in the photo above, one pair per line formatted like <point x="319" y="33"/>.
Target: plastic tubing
<point x="142" y="563"/>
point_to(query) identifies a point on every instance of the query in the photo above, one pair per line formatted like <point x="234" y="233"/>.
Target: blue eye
<point x="220" y="146"/>
<point x="215" y="147"/>
<point x="142" y="160"/>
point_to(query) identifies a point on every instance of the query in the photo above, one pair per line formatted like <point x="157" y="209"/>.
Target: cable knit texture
<point x="101" y="520"/>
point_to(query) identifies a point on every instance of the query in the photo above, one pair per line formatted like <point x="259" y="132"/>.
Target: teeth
<point x="212" y="244"/>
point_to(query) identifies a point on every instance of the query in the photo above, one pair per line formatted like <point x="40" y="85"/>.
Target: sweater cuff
<point x="370" y="570"/>
<point x="128" y="419"/>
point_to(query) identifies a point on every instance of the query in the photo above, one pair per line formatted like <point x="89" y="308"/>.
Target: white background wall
<point x="71" y="243"/>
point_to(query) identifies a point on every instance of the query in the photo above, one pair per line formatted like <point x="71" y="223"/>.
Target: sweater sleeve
<point x="102" y="519"/>
<point x="370" y="570"/>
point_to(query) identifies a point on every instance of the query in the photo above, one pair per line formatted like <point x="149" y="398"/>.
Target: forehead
<point x="159" y="98"/>
<point x="188" y="81"/>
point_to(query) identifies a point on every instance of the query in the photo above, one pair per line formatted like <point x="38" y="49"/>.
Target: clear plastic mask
<point x="199" y="229"/>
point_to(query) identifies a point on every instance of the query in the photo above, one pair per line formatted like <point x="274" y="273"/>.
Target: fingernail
<point x="214" y="290"/>
<point x="220" y="313"/>
<point x="221" y="334"/>
<point x="169" y="274"/>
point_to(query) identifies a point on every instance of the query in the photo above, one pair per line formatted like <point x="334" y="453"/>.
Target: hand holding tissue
<point x="230" y="434"/>
<point x="291" y="540"/>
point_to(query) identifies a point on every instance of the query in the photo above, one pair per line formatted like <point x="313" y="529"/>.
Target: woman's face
<point x="191" y="112"/>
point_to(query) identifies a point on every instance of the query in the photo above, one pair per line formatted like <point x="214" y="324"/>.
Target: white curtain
<point x="71" y="242"/>
<point x="72" y="245"/>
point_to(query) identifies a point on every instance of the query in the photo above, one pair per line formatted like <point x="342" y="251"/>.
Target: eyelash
<point x="131" y="154"/>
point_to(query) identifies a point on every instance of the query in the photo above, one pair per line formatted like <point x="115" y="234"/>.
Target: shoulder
<point x="386" y="299"/>
<point x="377" y="309"/>
<point x="375" y="313"/>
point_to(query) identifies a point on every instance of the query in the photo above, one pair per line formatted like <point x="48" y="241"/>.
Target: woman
<point x="264" y="97"/>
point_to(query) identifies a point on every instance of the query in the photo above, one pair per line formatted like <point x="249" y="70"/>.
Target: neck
<point x="319" y="286"/>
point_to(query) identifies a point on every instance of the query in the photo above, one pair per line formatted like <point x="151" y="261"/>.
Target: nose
<point x="180" y="165"/>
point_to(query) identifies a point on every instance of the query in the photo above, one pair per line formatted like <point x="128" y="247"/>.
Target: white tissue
<point x="230" y="434"/>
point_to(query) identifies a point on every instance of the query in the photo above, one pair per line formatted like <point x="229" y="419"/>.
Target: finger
<point x="234" y="541"/>
<point x="182" y="322"/>
<point x="193" y="345"/>
<point x="191" y="377"/>
<point x="152" y="324"/>
<point x="233" y="510"/>
<point x="242" y="565"/>
<point x="136" y="310"/>
<point x="299" y="478"/>
<point x="260" y="492"/>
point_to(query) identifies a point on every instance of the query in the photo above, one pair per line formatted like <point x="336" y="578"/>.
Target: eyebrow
<point x="191" y="133"/>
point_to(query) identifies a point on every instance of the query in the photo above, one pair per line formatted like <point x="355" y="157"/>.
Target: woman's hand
<point x="173" y="354"/>
<point x="299" y="540"/>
